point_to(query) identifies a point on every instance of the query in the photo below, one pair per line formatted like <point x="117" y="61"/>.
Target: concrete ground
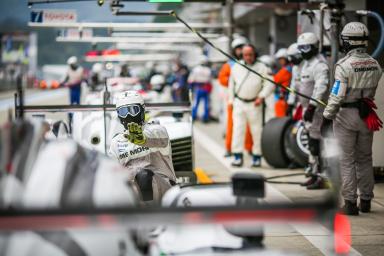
<point x="367" y="229"/>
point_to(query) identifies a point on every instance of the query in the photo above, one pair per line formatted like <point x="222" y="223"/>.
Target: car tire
<point x="296" y="144"/>
<point x="273" y="144"/>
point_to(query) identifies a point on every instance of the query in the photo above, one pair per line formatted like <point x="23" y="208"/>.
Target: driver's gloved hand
<point x="309" y="113"/>
<point x="135" y="134"/>
<point x="326" y="128"/>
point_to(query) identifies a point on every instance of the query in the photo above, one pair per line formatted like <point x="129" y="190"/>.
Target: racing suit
<point x="200" y="81"/>
<point x="154" y="155"/>
<point x="224" y="75"/>
<point x="314" y="80"/>
<point x="283" y="77"/>
<point x="356" y="77"/>
<point x="180" y="86"/>
<point x="73" y="80"/>
<point x="295" y="85"/>
<point x="244" y="88"/>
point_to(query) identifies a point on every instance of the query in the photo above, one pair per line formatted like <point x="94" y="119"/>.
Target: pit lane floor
<point x="367" y="229"/>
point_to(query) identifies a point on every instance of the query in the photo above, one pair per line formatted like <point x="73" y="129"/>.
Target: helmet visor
<point x="132" y="110"/>
<point x="304" y="48"/>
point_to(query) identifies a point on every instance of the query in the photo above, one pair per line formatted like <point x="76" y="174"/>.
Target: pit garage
<point x="63" y="193"/>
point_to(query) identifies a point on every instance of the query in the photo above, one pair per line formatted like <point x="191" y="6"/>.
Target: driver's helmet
<point x="130" y="108"/>
<point x="354" y="35"/>
<point x="294" y="55"/>
<point x="308" y="45"/>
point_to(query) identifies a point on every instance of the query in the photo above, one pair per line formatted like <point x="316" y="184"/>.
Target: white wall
<point x="378" y="139"/>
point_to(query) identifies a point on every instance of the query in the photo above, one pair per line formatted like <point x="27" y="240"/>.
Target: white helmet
<point x="237" y="42"/>
<point x="307" y="38"/>
<point x="293" y="50"/>
<point x="308" y="45"/>
<point x="97" y="68"/>
<point x="267" y="60"/>
<point x="281" y="53"/>
<point x="72" y="60"/>
<point x="130" y="108"/>
<point x="157" y="80"/>
<point x="355" y="34"/>
<point x="129" y="98"/>
<point x="294" y="55"/>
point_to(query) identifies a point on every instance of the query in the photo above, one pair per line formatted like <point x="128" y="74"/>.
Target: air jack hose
<point x="291" y="90"/>
<point x="380" y="46"/>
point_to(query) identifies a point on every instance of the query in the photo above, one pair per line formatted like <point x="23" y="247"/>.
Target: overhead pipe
<point x="160" y="35"/>
<point x="131" y="58"/>
<point x="101" y="39"/>
<point x="380" y="46"/>
<point x="141" y="13"/>
<point x="118" y="26"/>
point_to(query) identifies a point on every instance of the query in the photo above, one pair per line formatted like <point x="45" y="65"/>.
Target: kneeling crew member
<point x="144" y="148"/>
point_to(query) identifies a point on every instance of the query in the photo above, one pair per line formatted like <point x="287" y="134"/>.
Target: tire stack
<point x="284" y="142"/>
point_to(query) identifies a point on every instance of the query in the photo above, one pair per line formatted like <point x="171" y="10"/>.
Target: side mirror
<point x="248" y="185"/>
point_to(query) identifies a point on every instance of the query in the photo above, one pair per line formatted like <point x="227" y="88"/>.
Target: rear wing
<point x="132" y="217"/>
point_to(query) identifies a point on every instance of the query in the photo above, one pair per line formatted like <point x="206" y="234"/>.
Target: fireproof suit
<point x="223" y="77"/>
<point x="283" y="76"/>
<point x="314" y="80"/>
<point x="154" y="155"/>
<point x="73" y="80"/>
<point x="200" y="81"/>
<point x="225" y="73"/>
<point x="356" y="77"/>
<point x="244" y="88"/>
<point x="295" y="82"/>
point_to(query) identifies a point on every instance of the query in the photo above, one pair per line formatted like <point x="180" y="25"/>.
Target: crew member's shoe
<point x="213" y="119"/>
<point x="256" y="161"/>
<point x="310" y="181"/>
<point x="350" y="208"/>
<point x="227" y="154"/>
<point x="238" y="161"/>
<point x="318" y="184"/>
<point x="365" y="205"/>
<point x="308" y="170"/>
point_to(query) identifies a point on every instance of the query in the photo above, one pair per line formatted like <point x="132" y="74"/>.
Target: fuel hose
<point x="291" y="90"/>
